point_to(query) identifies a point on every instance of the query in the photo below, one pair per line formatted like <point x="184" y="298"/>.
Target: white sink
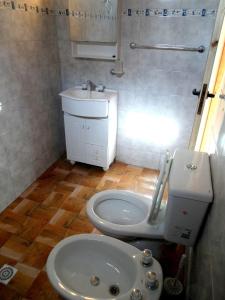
<point x="99" y="267"/>
<point x="78" y="102"/>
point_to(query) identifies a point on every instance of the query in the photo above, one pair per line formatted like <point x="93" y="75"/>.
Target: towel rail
<point x="200" y="49"/>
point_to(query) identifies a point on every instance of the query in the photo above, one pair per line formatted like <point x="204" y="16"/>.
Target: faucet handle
<point x="100" y="87"/>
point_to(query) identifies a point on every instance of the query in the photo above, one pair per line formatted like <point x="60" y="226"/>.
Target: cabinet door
<point x="74" y="131"/>
<point x="96" y="132"/>
<point x="96" y="155"/>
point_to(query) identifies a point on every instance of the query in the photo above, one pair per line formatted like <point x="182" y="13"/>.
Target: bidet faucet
<point x="91" y="86"/>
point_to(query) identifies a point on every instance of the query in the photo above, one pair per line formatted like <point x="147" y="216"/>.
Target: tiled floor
<point x="50" y="210"/>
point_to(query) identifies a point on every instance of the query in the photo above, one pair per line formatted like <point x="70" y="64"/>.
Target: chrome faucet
<point x="91" y="86"/>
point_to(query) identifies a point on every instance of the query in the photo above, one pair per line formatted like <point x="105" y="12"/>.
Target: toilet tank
<point x="189" y="195"/>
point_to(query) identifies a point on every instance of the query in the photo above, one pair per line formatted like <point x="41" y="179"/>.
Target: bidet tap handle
<point x="147" y="259"/>
<point x="136" y="295"/>
<point x="151" y="281"/>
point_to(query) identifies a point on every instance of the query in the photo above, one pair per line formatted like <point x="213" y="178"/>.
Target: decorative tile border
<point x="148" y="12"/>
<point x="160" y="12"/>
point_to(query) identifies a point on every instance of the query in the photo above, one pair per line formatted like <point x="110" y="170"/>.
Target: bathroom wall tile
<point x="5" y="25"/>
<point x="208" y="259"/>
<point x="157" y="83"/>
<point x="29" y="87"/>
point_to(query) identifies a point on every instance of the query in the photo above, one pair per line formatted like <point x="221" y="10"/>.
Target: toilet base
<point x="153" y="245"/>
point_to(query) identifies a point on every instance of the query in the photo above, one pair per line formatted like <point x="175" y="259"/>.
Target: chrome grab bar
<point x="200" y="49"/>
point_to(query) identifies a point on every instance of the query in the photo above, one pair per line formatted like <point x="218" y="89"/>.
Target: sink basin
<point x="78" y="102"/>
<point x="92" y="266"/>
<point x="78" y="94"/>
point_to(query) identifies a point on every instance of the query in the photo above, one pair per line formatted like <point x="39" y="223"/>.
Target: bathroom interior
<point x="119" y="100"/>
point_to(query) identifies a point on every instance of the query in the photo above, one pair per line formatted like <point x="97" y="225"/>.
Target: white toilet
<point x="127" y="215"/>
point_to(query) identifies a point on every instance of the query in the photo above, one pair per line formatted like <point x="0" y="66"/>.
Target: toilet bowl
<point x="124" y="214"/>
<point x="128" y="216"/>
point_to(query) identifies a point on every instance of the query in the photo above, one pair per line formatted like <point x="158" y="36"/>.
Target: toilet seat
<point x="124" y="214"/>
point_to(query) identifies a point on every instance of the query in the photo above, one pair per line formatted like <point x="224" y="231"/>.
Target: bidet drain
<point x="114" y="290"/>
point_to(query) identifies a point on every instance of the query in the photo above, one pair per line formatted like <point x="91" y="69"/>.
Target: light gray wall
<point x="155" y="94"/>
<point x="30" y="132"/>
<point x="156" y="85"/>
<point x="208" y="271"/>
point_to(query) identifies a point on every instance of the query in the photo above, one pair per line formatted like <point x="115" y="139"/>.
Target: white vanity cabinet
<point x="90" y="130"/>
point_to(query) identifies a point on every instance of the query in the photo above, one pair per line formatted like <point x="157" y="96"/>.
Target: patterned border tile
<point x="148" y="12"/>
<point x="160" y="12"/>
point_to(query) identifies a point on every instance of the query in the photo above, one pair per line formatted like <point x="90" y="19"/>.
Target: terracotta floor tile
<point x="128" y="181"/>
<point x="43" y="214"/>
<point x="55" y="200"/>
<point x="29" y="189"/>
<point x="70" y="232"/>
<point x="41" y="289"/>
<point x="15" y="203"/>
<point x="7" y="260"/>
<point x="53" y="174"/>
<point x="83" y="212"/>
<point x="82" y="169"/>
<point x="78" y="199"/>
<point x="148" y="173"/>
<point x="37" y="255"/>
<point x="21" y="283"/>
<point x="4" y="236"/>
<point x="106" y="184"/>
<point x="31" y="228"/>
<point x="74" y="178"/>
<point x="81" y="225"/>
<point x="89" y="181"/>
<point x="7" y="293"/>
<point x="63" y="218"/>
<point x="83" y="192"/>
<point x="51" y="235"/>
<point x="27" y="270"/>
<point x="39" y="194"/>
<point x="74" y="204"/>
<point x="11" y="222"/>
<point x="15" y="248"/>
<point x="97" y="172"/>
<point x="144" y="187"/>
<point x="25" y="207"/>
<point x="64" y="165"/>
<point x="118" y="168"/>
<point x="52" y="208"/>
<point x="65" y="187"/>
<point x="133" y="170"/>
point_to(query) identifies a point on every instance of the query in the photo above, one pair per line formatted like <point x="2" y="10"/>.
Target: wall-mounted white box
<point x="101" y="51"/>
